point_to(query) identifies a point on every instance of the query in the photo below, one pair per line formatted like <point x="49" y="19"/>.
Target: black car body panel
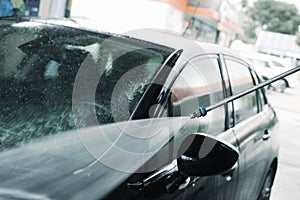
<point x="116" y="130"/>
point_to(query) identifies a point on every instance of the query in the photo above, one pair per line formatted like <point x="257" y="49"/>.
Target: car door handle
<point x="266" y="135"/>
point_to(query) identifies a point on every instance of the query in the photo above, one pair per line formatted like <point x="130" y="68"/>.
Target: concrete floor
<point x="287" y="106"/>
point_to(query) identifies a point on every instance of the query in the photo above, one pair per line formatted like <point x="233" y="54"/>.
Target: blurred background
<point x="266" y="26"/>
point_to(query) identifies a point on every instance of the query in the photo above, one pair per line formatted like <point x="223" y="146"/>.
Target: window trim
<point x="229" y="118"/>
<point x="183" y="66"/>
<point x="238" y="60"/>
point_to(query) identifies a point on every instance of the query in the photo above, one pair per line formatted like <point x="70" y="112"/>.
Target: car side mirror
<point x="204" y="155"/>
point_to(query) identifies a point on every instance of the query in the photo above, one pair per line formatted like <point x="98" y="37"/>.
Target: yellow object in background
<point x="19" y="4"/>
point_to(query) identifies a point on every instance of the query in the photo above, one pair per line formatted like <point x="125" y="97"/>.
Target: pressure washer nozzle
<point x="200" y="112"/>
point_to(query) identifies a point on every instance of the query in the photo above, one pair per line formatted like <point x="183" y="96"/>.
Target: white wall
<point x="52" y="8"/>
<point x="58" y="8"/>
<point x="120" y="15"/>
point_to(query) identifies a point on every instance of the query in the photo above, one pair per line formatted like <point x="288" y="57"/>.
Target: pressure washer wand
<point x="202" y="111"/>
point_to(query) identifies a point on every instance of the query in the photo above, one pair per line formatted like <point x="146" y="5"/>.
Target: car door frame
<point x="227" y="135"/>
<point x="250" y="134"/>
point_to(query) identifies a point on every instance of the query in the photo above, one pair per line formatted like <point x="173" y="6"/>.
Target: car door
<point x="199" y="83"/>
<point x="250" y="127"/>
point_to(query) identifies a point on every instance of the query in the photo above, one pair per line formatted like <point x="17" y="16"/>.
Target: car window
<point x="38" y="68"/>
<point x="200" y="84"/>
<point x="241" y="79"/>
<point x="261" y="98"/>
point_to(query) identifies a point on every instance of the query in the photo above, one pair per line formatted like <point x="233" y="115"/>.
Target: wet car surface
<point x="94" y="115"/>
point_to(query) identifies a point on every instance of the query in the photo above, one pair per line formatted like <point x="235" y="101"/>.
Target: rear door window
<point x="241" y="79"/>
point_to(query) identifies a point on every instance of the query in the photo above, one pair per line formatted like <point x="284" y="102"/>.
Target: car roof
<point x="177" y="41"/>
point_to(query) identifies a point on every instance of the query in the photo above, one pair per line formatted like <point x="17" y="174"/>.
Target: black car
<point x="94" y="115"/>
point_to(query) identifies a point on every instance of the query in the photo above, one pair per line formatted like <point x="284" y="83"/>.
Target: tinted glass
<point x="241" y="79"/>
<point x="200" y="84"/>
<point x="261" y="98"/>
<point x="38" y="68"/>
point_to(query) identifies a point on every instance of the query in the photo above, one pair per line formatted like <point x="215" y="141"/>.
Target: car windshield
<point x="39" y="65"/>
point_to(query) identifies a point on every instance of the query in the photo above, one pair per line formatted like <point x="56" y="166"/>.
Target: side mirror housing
<point x="204" y="155"/>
